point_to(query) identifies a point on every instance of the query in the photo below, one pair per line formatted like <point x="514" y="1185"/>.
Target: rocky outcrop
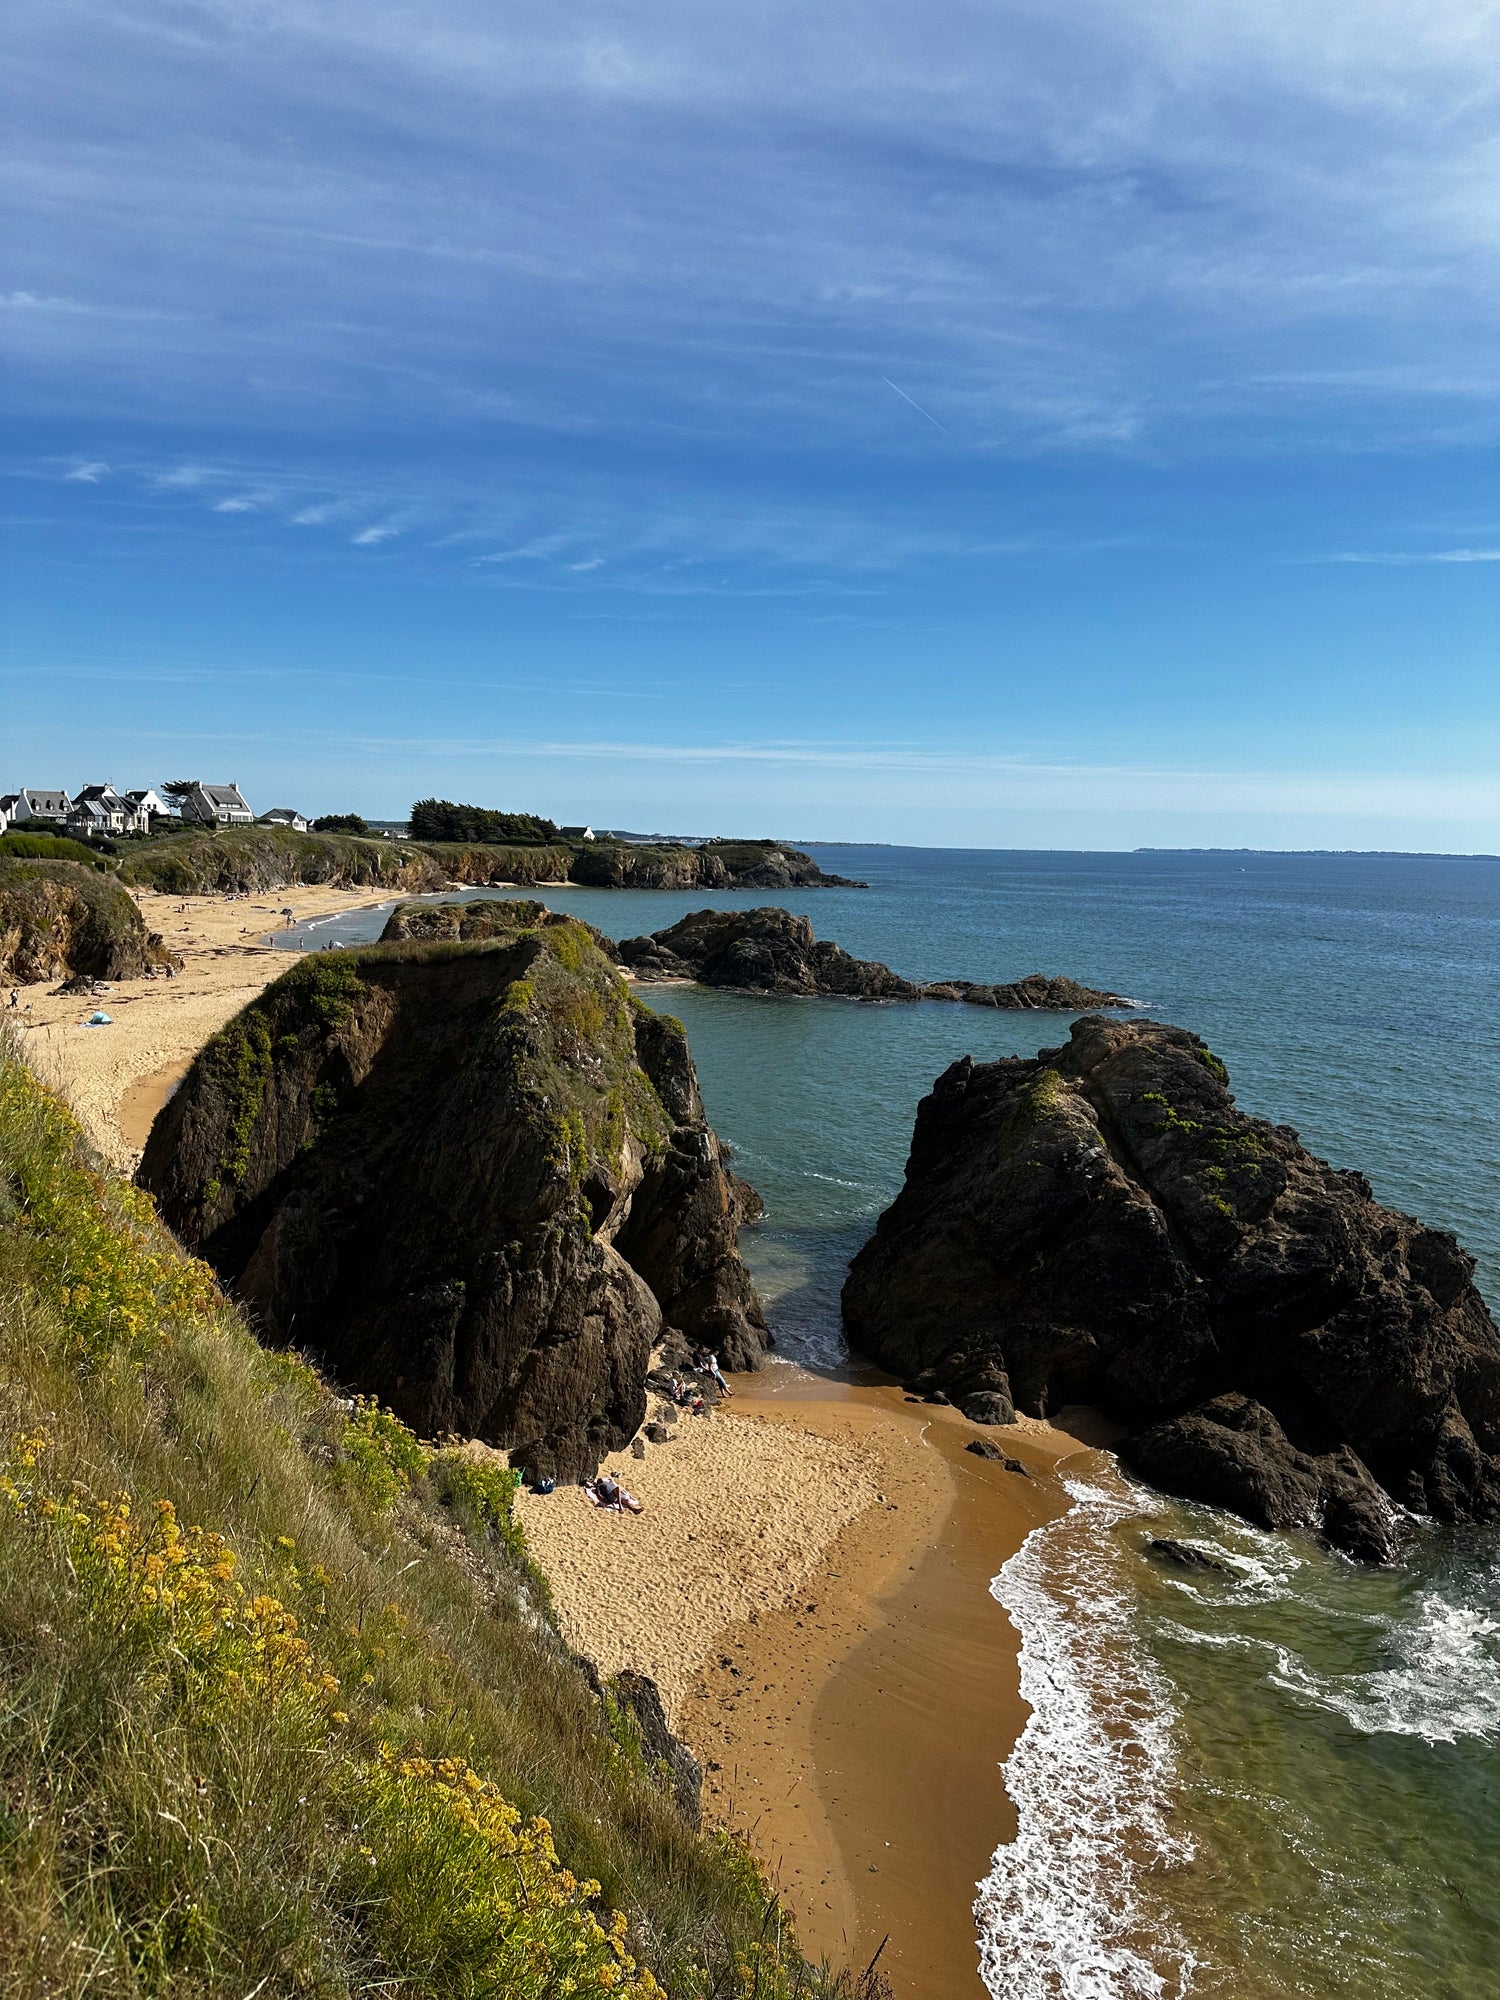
<point x="1102" y="1224"/>
<point x="666" y="1756"/>
<point x="62" y="920"/>
<point x="475" y="1178"/>
<point x="771" y="951"/>
<point x="470" y="923"/>
<point x="717" y="864"/>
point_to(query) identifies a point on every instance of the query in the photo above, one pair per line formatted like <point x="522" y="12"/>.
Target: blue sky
<point x="1055" y="424"/>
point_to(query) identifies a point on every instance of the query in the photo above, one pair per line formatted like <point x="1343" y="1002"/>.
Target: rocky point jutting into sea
<point x="475" y="1178"/>
<point x="768" y="950"/>
<point x="1101" y="1224"/>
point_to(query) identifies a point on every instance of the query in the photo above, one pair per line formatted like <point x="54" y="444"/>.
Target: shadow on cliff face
<point x="475" y="1178"/>
<point x="1101" y="1224"/>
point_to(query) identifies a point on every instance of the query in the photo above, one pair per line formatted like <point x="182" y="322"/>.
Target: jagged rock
<point x="659" y="1434"/>
<point x="1036" y="993"/>
<point x="675" y="1767"/>
<point x="1185" y="1556"/>
<point x="772" y="951"/>
<point x="764" y="951"/>
<point x="1103" y="1224"/>
<point x="448" y="1169"/>
<point x="988" y="1406"/>
<point x="637" y="1447"/>
<point x="982" y="1448"/>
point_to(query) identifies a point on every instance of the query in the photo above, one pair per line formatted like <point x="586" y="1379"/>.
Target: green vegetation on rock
<point x="59" y="919"/>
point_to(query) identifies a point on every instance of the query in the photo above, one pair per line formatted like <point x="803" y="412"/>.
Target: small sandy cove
<point x="808" y="1584"/>
<point x="117" y="1078"/>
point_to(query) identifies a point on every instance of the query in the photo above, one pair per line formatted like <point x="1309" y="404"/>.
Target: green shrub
<point x="48" y="847"/>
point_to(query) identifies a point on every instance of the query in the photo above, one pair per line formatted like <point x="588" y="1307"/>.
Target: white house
<point x="217" y="805"/>
<point x="152" y="805"/>
<point x="7" y="808"/>
<point x="284" y="816"/>
<point x="101" y="809"/>
<point x="575" y="833"/>
<point x="51" y="807"/>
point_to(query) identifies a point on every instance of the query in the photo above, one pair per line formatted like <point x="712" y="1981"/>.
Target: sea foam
<point x="1065" y="1913"/>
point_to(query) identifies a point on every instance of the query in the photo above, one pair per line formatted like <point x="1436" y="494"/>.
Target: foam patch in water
<point x="1443" y="1686"/>
<point x="1064" y="1913"/>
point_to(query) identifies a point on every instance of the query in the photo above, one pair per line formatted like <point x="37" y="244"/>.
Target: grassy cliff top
<point x="283" y="1707"/>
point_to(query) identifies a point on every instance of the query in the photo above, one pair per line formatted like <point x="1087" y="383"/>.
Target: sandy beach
<point x="809" y="1585"/>
<point x="117" y="1078"/>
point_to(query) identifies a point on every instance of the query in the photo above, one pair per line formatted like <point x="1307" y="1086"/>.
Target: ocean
<point x="1284" y="1782"/>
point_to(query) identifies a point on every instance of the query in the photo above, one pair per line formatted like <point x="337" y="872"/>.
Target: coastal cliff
<point x="1102" y="1224"/>
<point x="771" y="951"/>
<point x="60" y="920"/>
<point x="476" y="1178"/>
<point x="246" y="859"/>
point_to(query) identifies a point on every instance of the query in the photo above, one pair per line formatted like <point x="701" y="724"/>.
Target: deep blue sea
<point x="1284" y="1784"/>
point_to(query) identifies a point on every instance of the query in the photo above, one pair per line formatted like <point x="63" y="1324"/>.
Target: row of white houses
<point x="100" y="809"/>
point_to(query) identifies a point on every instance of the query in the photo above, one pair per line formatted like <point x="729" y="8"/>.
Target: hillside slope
<point x="281" y="1709"/>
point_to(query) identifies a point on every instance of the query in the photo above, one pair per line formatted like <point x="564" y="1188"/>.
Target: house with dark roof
<point x="101" y="809"/>
<point x="51" y="807"/>
<point x="217" y="805"/>
<point x="284" y="816"/>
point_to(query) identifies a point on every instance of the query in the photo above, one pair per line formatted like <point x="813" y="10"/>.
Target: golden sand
<point x="117" y="1078"/>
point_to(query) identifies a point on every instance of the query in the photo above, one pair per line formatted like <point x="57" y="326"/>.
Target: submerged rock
<point x="772" y="951"/>
<point x="473" y="1177"/>
<point x="1183" y="1555"/>
<point x="1104" y="1225"/>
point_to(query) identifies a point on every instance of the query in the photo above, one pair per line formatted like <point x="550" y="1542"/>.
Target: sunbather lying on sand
<point x="611" y="1495"/>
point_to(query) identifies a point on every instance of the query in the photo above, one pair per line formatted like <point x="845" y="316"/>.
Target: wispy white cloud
<point x="1398" y="559"/>
<point x="237" y="504"/>
<point x="367" y="538"/>
<point x="88" y="474"/>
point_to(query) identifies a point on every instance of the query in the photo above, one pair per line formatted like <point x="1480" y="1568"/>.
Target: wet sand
<point x="862" y="1760"/>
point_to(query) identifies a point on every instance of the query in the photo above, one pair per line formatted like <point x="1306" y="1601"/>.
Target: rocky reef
<point x="63" y="920"/>
<point x="1101" y="1224"/>
<point x="771" y="951"/>
<point x="475" y="1178"/>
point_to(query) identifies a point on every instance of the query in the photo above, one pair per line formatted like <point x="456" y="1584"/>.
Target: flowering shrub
<point x="459" y="1896"/>
<point x="170" y="1594"/>
<point x="118" y="1282"/>
<point x="384" y="1455"/>
<point x="480" y="1901"/>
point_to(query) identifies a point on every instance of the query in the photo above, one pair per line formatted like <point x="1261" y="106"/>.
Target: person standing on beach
<point x="708" y="1364"/>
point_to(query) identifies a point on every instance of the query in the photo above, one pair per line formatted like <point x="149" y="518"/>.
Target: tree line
<point x="441" y="819"/>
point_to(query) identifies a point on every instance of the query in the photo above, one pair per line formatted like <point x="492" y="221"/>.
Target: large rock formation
<point x="61" y="919"/>
<point x="475" y="1178"/>
<point x="1101" y="1224"/>
<point x="716" y="864"/>
<point x="771" y="951"/>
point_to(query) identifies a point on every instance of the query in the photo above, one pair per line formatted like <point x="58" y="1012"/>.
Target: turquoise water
<point x="1287" y="1784"/>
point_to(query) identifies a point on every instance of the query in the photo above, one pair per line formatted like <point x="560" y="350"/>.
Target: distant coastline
<point x="1321" y="853"/>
